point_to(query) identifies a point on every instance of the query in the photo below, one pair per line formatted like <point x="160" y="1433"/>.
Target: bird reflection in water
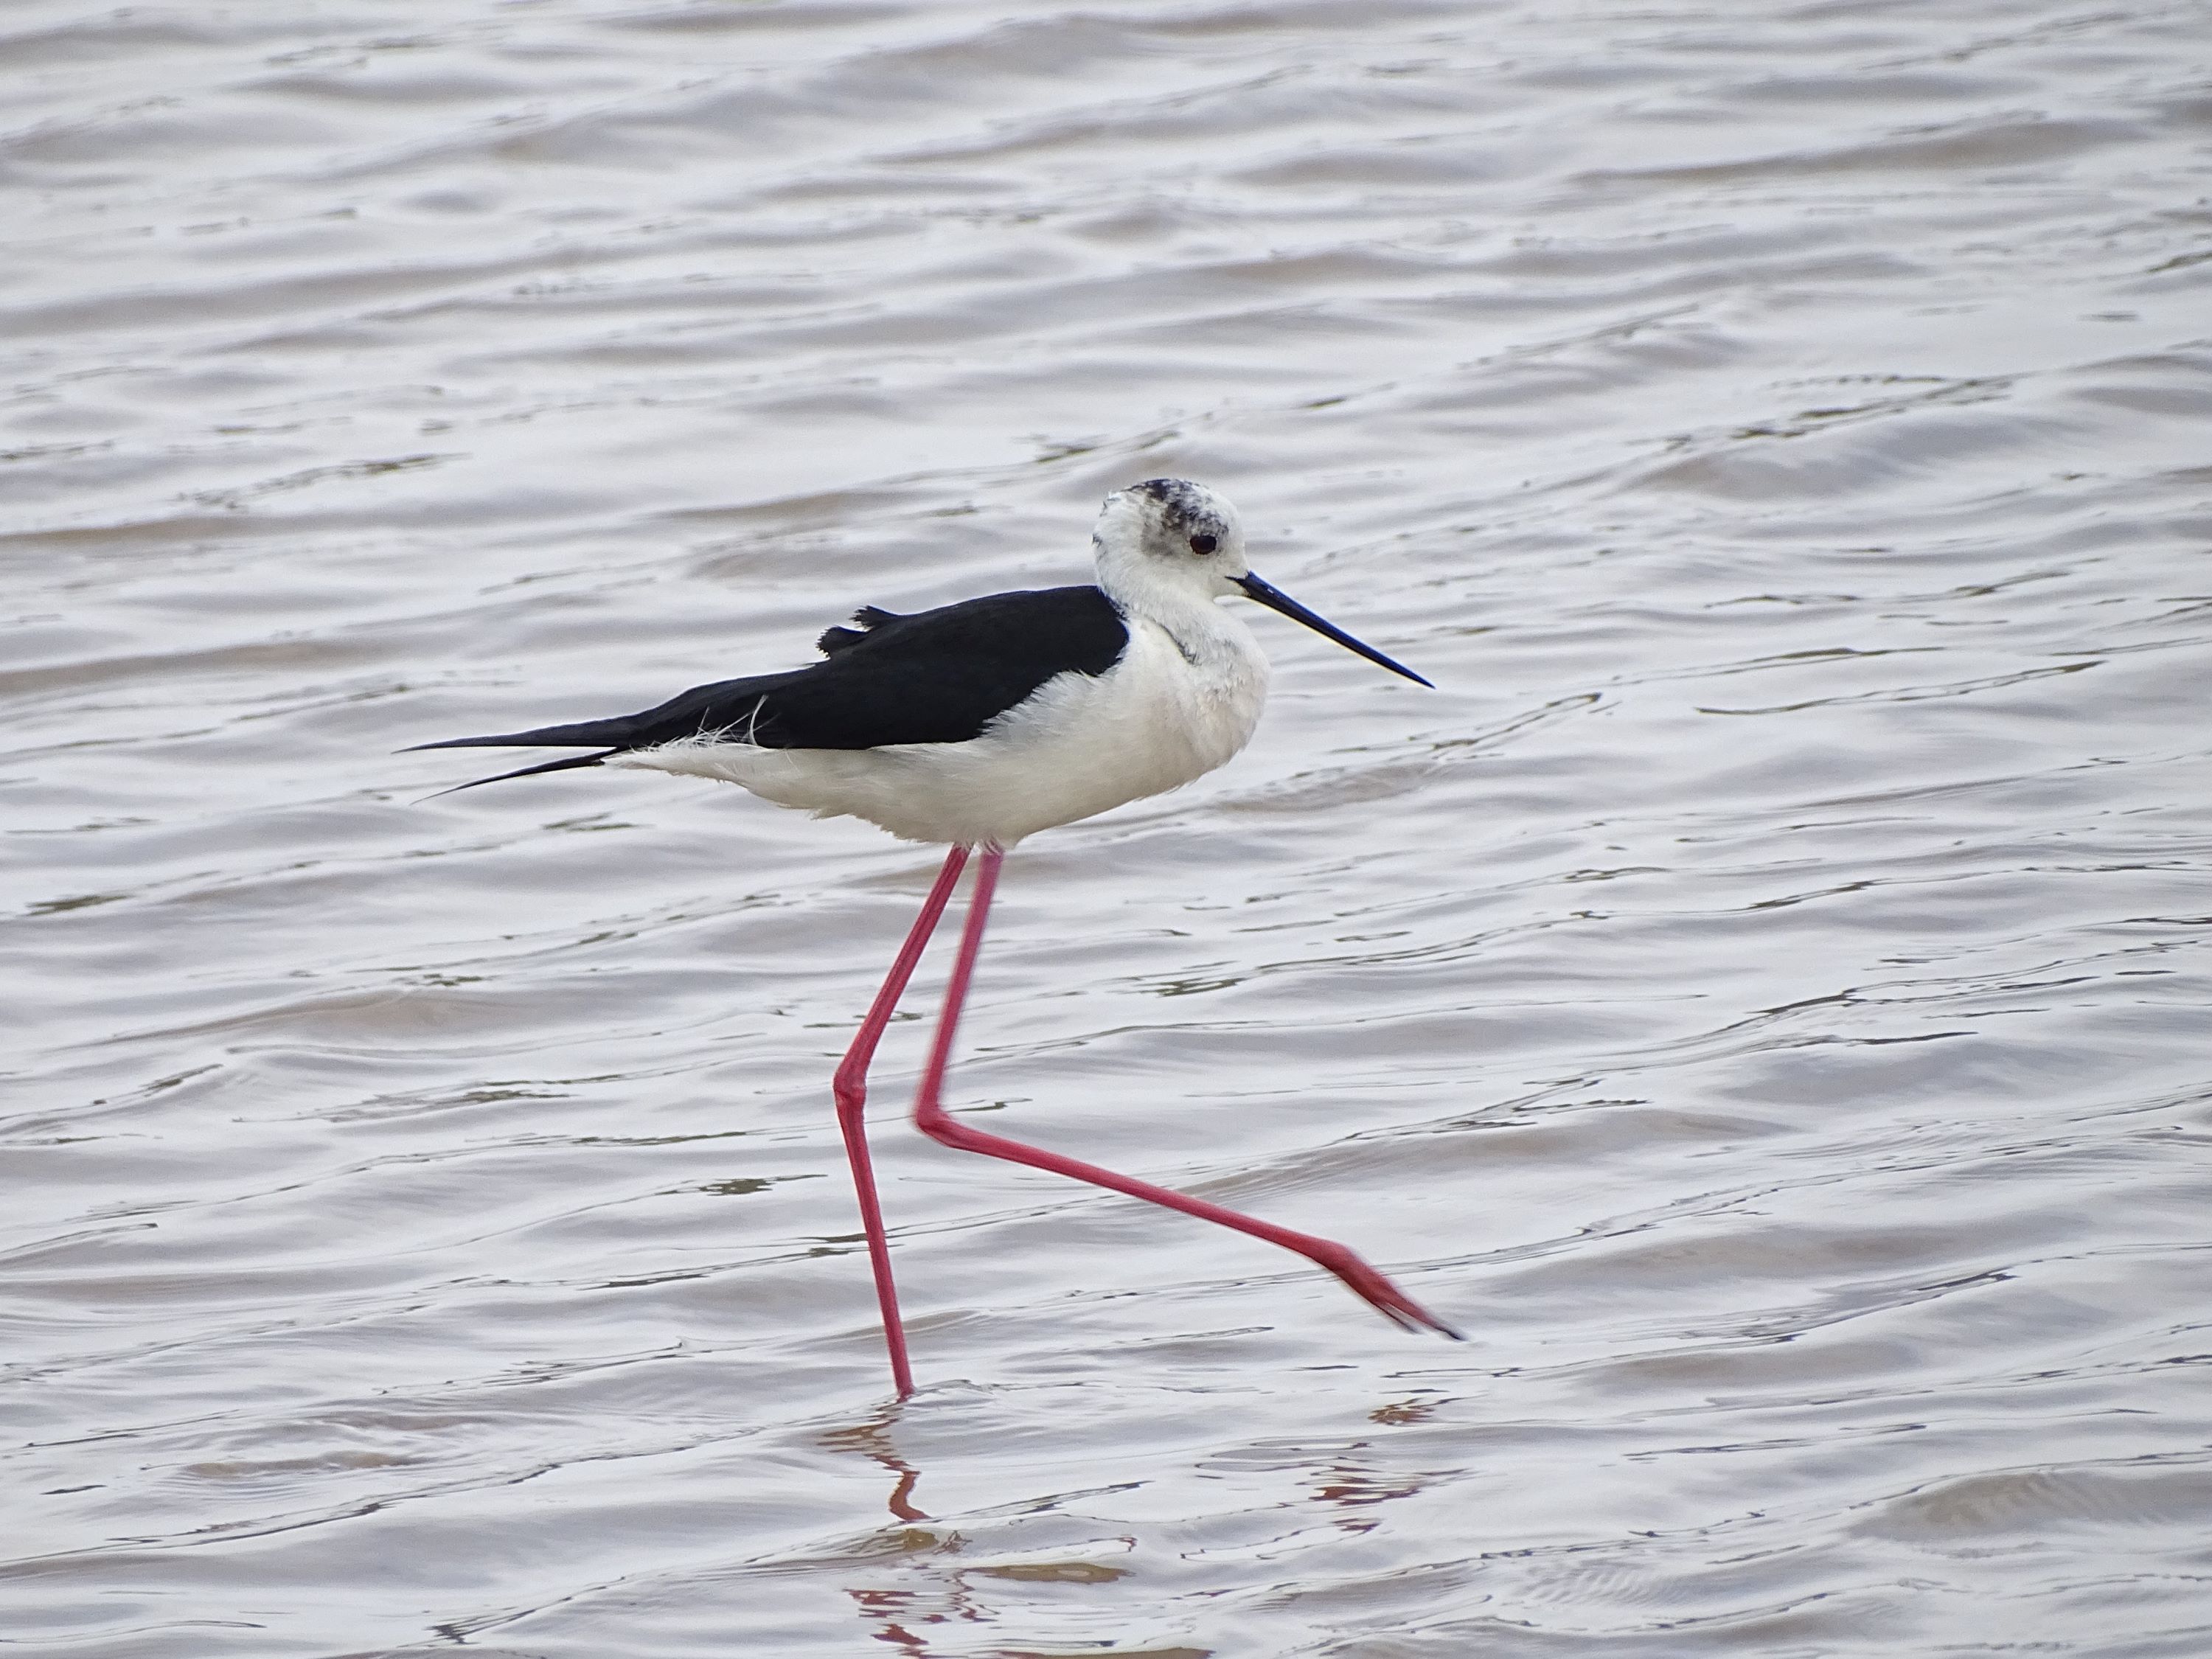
<point x="872" y="1440"/>
<point x="892" y="1611"/>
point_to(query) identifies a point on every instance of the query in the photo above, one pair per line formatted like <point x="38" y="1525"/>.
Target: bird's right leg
<point x="851" y="1090"/>
<point x="940" y="1126"/>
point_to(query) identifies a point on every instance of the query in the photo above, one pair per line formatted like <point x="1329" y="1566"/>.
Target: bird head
<point x="1168" y="542"/>
<point x="1170" y="534"/>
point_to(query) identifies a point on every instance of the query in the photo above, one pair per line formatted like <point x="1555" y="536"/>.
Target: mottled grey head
<point x="1190" y="513"/>
<point x="1172" y="532"/>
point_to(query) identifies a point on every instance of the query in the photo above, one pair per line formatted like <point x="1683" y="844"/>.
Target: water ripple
<point x="1759" y="993"/>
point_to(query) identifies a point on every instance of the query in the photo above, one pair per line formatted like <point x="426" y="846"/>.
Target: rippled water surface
<point x="1761" y="994"/>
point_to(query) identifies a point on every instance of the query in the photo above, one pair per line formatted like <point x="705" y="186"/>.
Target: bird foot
<point x="1379" y="1293"/>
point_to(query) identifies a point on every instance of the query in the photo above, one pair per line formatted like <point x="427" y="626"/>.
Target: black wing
<point x="936" y="675"/>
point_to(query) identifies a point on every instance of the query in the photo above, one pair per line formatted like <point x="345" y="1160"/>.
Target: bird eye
<point x="1203" y="543"/>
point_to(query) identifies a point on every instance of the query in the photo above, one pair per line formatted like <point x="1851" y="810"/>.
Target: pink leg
<point x="851" y="1090"/>
<point x="940" y="1125"/>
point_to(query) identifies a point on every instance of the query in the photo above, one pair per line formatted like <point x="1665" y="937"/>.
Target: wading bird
<point x="980" y="723"/>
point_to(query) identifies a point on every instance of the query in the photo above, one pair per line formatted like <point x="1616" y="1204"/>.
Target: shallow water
<point x="1760" y="995"/>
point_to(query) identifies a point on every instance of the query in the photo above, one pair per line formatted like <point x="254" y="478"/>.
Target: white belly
<point x="1079" y="745"/>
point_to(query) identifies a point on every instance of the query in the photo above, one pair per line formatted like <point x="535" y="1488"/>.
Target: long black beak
<point x="1275" y="600"/>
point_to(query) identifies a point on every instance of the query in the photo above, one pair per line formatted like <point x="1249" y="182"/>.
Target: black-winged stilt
<point x="977" y="724"/>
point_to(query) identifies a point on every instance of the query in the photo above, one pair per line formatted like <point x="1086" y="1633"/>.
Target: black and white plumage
<point x="977" y="724"/>
<point x="980" y="723"/>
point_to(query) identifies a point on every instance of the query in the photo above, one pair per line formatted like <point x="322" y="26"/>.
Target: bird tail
<point x="615" y="735"/>
<point x="726" y="705"/>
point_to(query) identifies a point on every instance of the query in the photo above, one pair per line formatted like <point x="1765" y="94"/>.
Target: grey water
<point x="1760" y="995"/>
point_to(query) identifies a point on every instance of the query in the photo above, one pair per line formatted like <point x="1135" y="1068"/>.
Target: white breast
<point x="1176" y="706"/>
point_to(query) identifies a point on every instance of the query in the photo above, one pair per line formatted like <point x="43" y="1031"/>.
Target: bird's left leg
<point x="852" y="1092"/>
<point x="929" y="1114"/>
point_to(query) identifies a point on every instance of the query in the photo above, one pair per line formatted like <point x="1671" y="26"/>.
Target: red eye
<point x="1202" y="542"/>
